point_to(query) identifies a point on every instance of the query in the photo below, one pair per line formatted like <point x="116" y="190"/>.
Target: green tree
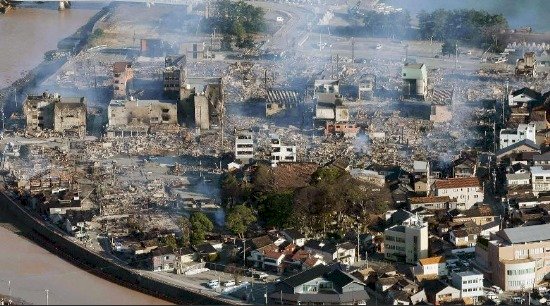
<point x="170" y="241"/>
<point x="200" y="225"/>
<point x="230" y="190"/>
<point x="276" y="209"/>
<point x="239" y="219"/>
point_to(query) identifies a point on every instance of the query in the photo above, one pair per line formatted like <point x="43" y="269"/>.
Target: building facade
<point x="244" y="146"/>
<point x="465" y="191"/>
<point x="407" y="242"/>
<point x="540" y="179"/>
<point x="511" y="136"/>
<point x="470" y="284"/>
<point x="122" y="74"/>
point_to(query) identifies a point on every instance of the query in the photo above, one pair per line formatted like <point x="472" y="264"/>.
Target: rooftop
<point x="526" y="234"/>
<point x="457" y="183"/>
<point x="432" y="260"/>
<point x="430" y="199"/>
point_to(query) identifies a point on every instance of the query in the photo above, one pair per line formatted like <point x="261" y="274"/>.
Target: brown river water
<point x="25" y="34"/>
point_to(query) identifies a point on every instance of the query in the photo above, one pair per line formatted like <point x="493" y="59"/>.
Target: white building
<point x="540" y="179"/>
<point x="244" y="146"/>
<point x="511" y="136"/>
<point x="465" y="191"/>
<point x="470" y="284"/>
<point x="430" y="267"/>
<point x="523" y="97"/>
<point x="406" y="242"/>
<point x="281" y="153"/>
<point x="421" y="177"/>
<point x="518" y="179"/>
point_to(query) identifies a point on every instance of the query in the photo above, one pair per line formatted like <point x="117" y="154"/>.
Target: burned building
<point x="173" y="75"/>
<point x="415" y="81"/>
<point x="122" y="74"/>
<point x="203" y="97"/>
<point x="138" y="117"/>
<point x="365" y="89"/>
<point x="244" y="146"/>
<point x="65" y="115"/>
<point x="526" y="66"/>
<point x="330" y="108"/>
<point x="196" y="51"/>
<point x="278" y="100"/>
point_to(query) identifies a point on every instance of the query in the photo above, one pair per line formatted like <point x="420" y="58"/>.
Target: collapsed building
<point x="203" y="97"/>
<point x="140" y="117"/>
<point x="415" y="81"/>
<point x="278" y="100"/>
<point x="526" y="66"/>
<point x="65" y="115"/>
<point x="122" y="74"/>
<point x="365" y="89"/>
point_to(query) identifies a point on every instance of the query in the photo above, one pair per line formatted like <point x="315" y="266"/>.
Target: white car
<point x="213" y="284"/>
<point x="229" y="283"/>
<point x="496" y="289"/>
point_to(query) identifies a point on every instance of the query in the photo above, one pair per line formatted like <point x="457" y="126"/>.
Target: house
<point x="465" y="236"/>
<point x="206" y="252"/>
<point x="407" y="242"/>
<point x="466" y="191"/>
<point x="518" y="179"/>
<point x="515" y="151"/>
<point x="523" y="97"/>
<point x="480" y="214"/>
<point x="470" y="284"/>
<point x="438" y="292"/>
<point x="522" y="132"/>
<point x="541" y="159"/>
<point x="268" y="258"/>
<point x="430" y="267"/>
<point x="294" y="236"/>
<point x="344" y="253"/>
<point x="465" y="166"/>
<point x="415" y="81"/>
<point x="163" y="259"/>
<point x="320" y="285"/>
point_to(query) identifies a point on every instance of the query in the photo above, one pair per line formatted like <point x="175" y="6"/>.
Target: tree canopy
<point x="470" y="27"/>
<point x="200" y="225"/>
<point x="239" y="219"/>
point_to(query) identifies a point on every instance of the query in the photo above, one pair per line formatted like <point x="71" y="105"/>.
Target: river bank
<point x="26" y="56"/>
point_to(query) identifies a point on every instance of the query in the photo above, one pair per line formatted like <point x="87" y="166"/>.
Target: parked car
<point x="229" y="283"/>
<point x="496" y="289"/>
<point x="213" y="284"/>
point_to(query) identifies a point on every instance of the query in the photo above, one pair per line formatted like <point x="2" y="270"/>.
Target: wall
<point x="102" y="266"/>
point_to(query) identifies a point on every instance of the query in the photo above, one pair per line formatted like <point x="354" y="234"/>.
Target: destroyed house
<point x="415" y="81"/>
<point x="65" y="115"/>
<point x="203" y="97"/>
<point x="279" y="100"/>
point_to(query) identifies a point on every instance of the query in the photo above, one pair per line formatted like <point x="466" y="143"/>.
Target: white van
<point x="229" y="283"/>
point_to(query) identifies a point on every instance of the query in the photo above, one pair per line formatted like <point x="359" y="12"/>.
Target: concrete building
<point x="527" y="66"/>
<point x="122" y="74"/>
<point x="365" y="89"/>
<point x="278" y="100"/>
<point x="280" y="152"/>
<point x="244" y="146"/>
<point x="65" y="115"/>
<point x="173" y="75"/>
<point x="540" y="179"/>
<point x="516" y="259"/>
<point x="522" y="132"/>
<point x="407" y="242"/>
<point x="465" y="191"/>
<point x="203" y="97"/>
<point x="138" y="117"/>
<point x="326" y="91"/>
<point x="415" y="81"/>
<point x="470" y="284"/>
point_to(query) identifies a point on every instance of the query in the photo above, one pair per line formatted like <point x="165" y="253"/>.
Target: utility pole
<point x="358" y="246"/>
<point x="456" y="55"/>
<point x="352" y="50"/>
<point x="47" y="296"/>
<point x="9" y="287"/>
<point x="244" y="252"/>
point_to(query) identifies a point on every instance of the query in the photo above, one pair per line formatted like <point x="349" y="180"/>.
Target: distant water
<point x="32" y="29"/>
<point x="520" y="13"/>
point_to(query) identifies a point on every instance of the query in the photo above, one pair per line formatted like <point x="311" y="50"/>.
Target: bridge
<point x="64" y="4"/>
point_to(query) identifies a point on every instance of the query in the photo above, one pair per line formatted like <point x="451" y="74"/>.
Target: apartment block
<point x="540" y="179"/>
<point x="407" y="242"/>
<point x="244" y="146"/>
<point x="470" y="284"/>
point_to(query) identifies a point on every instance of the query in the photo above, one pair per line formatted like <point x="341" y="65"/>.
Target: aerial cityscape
<point x="254" y="152"/>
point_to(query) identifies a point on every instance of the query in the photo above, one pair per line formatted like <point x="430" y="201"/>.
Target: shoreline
<point x="47" y="68"/>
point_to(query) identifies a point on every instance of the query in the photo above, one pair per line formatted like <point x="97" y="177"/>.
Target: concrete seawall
<point x="97" y="264"/>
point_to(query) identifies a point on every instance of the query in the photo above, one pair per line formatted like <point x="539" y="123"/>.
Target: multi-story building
<point x="422" y="177"/>
<point x="415" y="81"/>
<point x="173" y="75"/>
<point x="244" y="146"/>
<point x="540" y="179"/>
<point x="122" y="73"/>
<point x="137" y="117"/>
<point x="511" y="136"/>
<point x="465" y="191"/>
<point x="407" y="242"/>
<point x="203" y="97"/>
<point x="516" y="258"/>
<point x="470" y="284"/>
<point x="281" y="153"/>
<point x="65" y="115"/>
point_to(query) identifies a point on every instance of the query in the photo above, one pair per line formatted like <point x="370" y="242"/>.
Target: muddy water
<point x="32" y="269"/>
<point x="32" y="29"/>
